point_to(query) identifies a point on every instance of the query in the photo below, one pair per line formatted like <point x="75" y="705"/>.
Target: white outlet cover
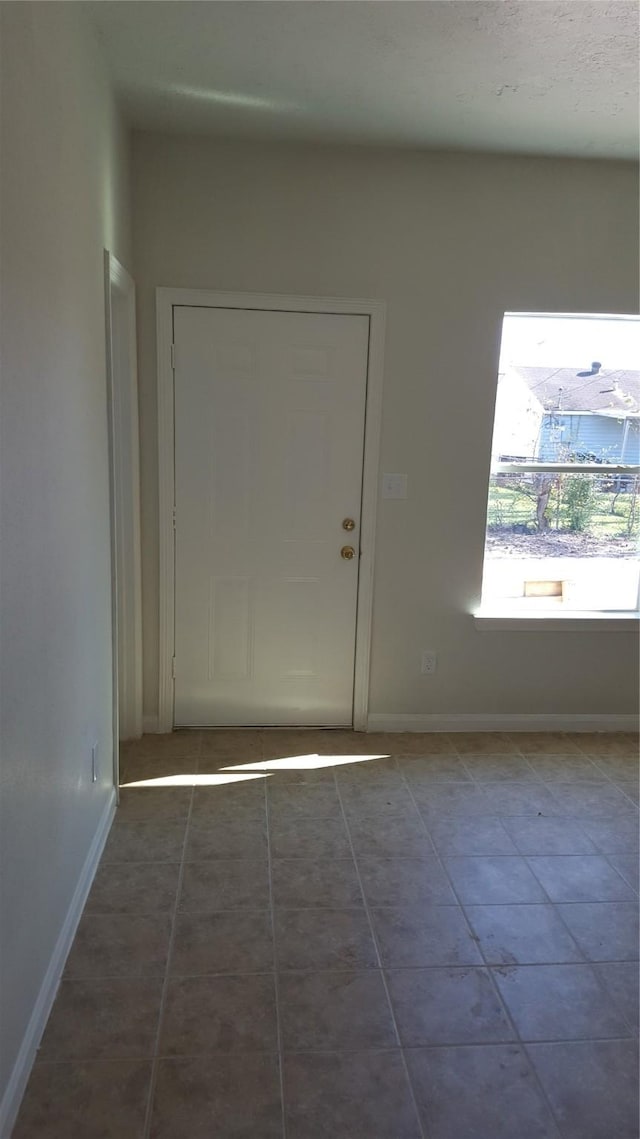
<point x="394" y="486"/>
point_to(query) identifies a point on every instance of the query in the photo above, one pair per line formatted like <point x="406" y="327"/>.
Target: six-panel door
<point x="269" y="434"/>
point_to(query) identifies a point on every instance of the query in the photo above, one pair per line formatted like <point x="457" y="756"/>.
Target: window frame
<point x="492" y="615"/>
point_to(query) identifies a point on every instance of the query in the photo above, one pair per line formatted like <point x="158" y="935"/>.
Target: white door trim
<point x="124" y="463"/>
<point x="166" y="299"/>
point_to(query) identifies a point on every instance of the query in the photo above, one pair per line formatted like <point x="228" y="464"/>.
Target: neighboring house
<point x="559" y="414"/>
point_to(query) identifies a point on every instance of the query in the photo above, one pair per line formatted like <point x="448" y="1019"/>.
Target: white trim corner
<point x="124" y="463"/>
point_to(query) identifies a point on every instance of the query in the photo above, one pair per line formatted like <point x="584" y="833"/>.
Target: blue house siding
<point x="598" y="437"/>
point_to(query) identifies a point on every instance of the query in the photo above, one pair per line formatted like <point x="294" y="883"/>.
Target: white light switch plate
<point x="394" y="486"/>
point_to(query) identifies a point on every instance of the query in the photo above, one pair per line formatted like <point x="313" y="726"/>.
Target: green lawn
<point x="512" y="506"/>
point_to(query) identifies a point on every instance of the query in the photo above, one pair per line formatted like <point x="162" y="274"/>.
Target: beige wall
<point x="449" y="242"/>
<point x="64" y="197"/>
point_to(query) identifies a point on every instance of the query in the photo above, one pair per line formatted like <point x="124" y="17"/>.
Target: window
<point x="563" y="516"/>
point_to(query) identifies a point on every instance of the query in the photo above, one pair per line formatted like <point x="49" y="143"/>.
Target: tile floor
<point x="440" y="943"/>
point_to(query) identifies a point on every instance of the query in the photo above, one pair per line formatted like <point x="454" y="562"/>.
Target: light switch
<point x="394" y="486"/>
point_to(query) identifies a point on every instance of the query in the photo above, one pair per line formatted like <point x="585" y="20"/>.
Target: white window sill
<point x="552" y="621"/>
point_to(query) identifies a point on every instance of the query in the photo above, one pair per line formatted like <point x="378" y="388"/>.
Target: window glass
<point x="560" y="536"/>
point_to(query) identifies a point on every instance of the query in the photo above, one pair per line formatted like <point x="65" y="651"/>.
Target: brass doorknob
<point x="348" y="524"/>
<point x="348" y="553"/>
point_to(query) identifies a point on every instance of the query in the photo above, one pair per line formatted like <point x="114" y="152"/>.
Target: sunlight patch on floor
<point x="204" y="780"/>
<point x="302" y="762"/>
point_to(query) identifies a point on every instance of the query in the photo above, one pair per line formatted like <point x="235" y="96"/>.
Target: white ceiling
<point x="528" y="76"/>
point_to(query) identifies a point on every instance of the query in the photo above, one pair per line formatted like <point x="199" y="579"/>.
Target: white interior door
<point x="269" y="436"/>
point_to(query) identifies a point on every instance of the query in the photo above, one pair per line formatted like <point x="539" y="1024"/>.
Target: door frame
<point x="166" y="300"/>
<point x="124" y="496"/>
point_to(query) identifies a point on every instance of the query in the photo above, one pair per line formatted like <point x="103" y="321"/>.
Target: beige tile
<point x="544" y="743"/>
<point x="237" y="744"/>
<point x="359" y="1095"/>
<point x="442" y="799"/>
<point x="630" y="788"/>
<point x="235" y="1097"/>
<point x="420" y="769"/>
<point x="479" y="1091"/>
<point x="362" y="743"/>
<point x="145" y="840"/>
<point x="299" y="883"/>
<point x="416" y="743"/>
<point x="228" y="837"/>
<point x="565" y="768"/>
<point x="181" y="743"/>
<point x="618" y="835"/>
<point x="558" y="1002"/>
<point x="324" y="939"/>
<point x="447" y="1006"/>
<point x="219" y="1014"/>
<point x="465" y="835"/>
<point x="103" y="1020"/>
<point x="317" y="838"/>
<point x="134" y="888"/>
<point x="154" y="803"/>
<point x="236" y="941"/>
<point x="361" y="772"/>
<point x="628" y="866"/>
<point x="509" y="798"/>
<point x="325" y="1010"/>
<point x="96" y="1100"/>
<point x="621" y="980"/>
<point x="591" y="800"/>
<point x="592" y="1086"/>
<point x="432" y="935"/>
<point x="602" y="743"/>
<point x="617" y="766"/>
<point x="287" y="742"/>
<point x="301" y="775"/>
<point x="227" y="884"/>
<point x="499" y="768"/>
<point x="416" y="882"/>
<point x="294" y="800"/>
<point x="364" y="799"/>
<point x="120" y="945"/>
<point x="245" y="797"/>
<point x="539" y="835"/>
<point x="481" y="743"/>
<point x="155" y="770"/>
<point x="399" y="836"/>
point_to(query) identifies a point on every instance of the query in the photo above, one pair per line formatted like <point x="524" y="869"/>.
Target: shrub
<point x="579" y="501"/>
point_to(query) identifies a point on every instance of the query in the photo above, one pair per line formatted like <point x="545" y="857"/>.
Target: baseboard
<point x="497" y="722"/>
<point x="22" y="1068"/>
<point x="150" y="725"/>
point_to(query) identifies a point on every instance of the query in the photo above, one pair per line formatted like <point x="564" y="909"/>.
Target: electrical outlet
<point x="94" y="763"/>
<point x="429" y="663"/>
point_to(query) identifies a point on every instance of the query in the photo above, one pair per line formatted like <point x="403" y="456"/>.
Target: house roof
<point x="608" y="392"/>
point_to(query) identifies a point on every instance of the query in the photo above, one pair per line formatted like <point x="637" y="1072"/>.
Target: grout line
<point x="632" y="1038"/>
<point x="359" y="969"/>
<point x="489" y="971"/>
<point x="632" y="854"/>
<point x="154" y="1067"/>
<point x="275" y="963"/>
<point x="367" y="911"/>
